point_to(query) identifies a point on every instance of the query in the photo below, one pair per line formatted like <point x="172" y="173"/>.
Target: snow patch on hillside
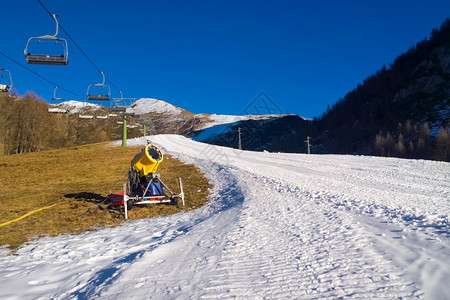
<point x="74" y="107"/>
<point x="228" y="119"/>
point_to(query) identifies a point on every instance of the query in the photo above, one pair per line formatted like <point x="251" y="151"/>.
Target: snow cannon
<point x="148" y="160"/>
<point x="144" y="185"/>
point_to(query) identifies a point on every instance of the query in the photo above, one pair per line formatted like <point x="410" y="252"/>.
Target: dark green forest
<point x="402" y="110"/>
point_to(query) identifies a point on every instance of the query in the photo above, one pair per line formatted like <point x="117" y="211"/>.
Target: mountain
<point x="269" y="133"/>
<point x="403" y="110"/>
<point x="163" y="117"/>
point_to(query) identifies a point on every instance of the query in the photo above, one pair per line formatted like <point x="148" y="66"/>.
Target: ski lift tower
<point x="146" y="123"/>
<point x="120" y="105"/>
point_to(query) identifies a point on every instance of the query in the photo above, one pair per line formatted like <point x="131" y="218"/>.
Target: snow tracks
<point x="278" y="226"/>
<point x="317" y="226"/>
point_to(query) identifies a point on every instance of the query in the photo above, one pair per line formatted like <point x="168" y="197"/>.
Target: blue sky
<point x="217" y="56"/>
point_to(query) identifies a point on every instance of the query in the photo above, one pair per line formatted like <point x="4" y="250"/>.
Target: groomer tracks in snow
<point x="277" y="226"/>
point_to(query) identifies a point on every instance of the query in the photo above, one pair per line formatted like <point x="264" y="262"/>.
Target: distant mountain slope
<point x="406" y="104"/>
<point x="214" y="120"/>
<point x="275" y="134"/>
<point x="164" y="116"/>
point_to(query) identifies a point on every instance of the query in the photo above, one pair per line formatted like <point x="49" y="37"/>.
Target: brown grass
<point x="79" y="179"/>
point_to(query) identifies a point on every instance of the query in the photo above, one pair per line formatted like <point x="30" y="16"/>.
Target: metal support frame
<point x="5" y="87"/>
<point x="157" y="199"/>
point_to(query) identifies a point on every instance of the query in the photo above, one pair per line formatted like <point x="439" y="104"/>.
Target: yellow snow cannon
<point x="148" y="160"/>
<point x="144" y="185"/>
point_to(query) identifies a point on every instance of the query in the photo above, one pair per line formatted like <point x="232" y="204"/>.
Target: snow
<point x="74" y="107"/>
<point x="213" y="131"/>
<point x="278" y="226"/>
<point x="229" y="119"/>
<point x="149" y="105"/>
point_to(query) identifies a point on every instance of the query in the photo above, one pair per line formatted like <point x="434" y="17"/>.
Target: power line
<point x="39" y="75"/>
<point x="79" y="48"/>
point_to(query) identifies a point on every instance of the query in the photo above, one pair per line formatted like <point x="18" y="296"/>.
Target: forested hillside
<point x="26" y="126"/>
<point x="402" y="110"/>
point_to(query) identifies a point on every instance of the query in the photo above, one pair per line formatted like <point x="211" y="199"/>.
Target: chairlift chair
<point x="99" y="91"/>
<point x="83" y="115"/>
<point x="53" y="101"/>
<point x="5" y="81"/>
<point x="47" y="49"/>
<point x="118" y="109"/>
<point x="121" y="104"/>
<point x="57" y="110"/>
<point x="54" y="95"/>
<point x="101" y="116"/>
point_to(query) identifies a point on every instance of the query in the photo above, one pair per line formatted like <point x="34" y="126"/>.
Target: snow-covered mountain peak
<point x="152" y="105"/>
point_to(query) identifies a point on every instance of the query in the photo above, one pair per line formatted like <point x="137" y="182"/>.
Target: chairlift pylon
<point x="5" y="81"/>
<point x="99" y="91"/>
<point x="47" y="49"/>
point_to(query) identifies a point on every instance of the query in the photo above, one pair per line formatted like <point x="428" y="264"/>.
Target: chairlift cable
<point x="39" y="75"/>
<point x="79" y="48"/>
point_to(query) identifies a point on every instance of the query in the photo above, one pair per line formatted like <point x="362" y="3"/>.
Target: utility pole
<point x="309" y="145"/>
<point x="239" y="138"/>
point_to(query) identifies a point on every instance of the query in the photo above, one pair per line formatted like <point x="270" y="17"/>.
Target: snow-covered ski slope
<point x="278" y="226"/>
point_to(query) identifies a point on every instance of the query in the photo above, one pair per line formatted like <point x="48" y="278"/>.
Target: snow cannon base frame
<point x="148" y="189"/>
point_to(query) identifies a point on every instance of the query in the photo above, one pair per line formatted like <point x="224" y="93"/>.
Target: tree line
<point x="401" y="110"/>
<point x="26" y="126"/>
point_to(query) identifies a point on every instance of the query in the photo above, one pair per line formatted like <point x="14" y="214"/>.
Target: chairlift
<point x="121" y="104"/>
<point x="101" y="116"/>
<point x="83" y="114"/>
<point x="5" y="81"/>
<point x="99" y="91"/>
<point x="56" y="110"/>
<point x="47" y="49"/>
<point x="54" y="95"/>
<point x="118" y="109"/>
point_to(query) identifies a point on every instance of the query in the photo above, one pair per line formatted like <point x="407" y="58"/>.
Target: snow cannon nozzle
<point x="148" y="160"/>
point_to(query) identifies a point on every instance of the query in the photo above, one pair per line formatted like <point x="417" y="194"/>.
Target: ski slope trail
<point x="277" y="226"/>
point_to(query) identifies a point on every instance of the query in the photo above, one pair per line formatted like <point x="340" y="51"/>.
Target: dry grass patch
<point x="78" y="180"/>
